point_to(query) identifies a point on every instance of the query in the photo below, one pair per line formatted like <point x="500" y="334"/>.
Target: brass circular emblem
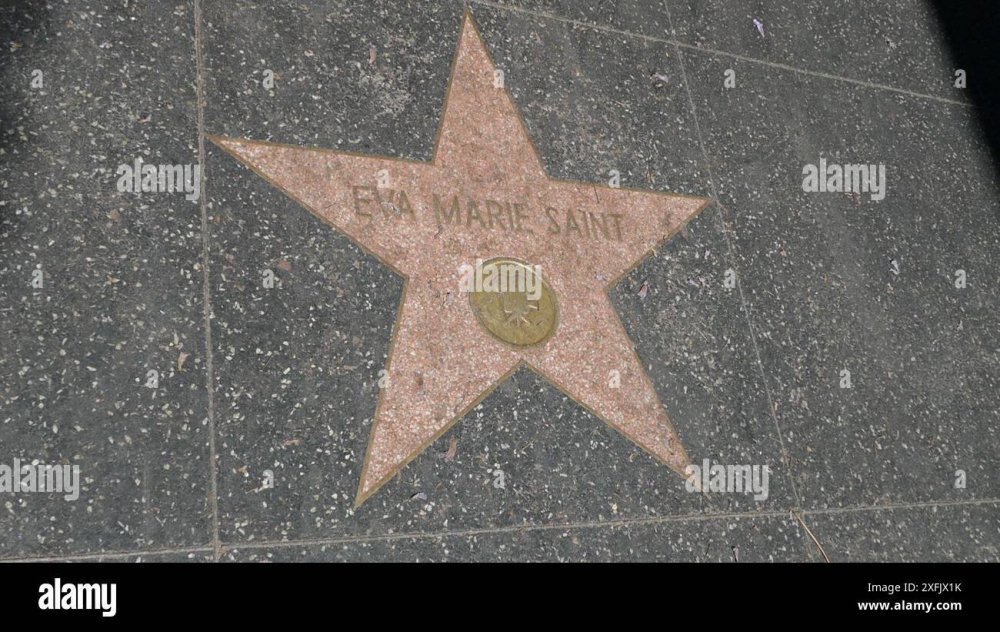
<point x="513" y="302"/>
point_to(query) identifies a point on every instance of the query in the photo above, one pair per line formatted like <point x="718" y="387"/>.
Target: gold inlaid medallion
<point x="517" y="306"/>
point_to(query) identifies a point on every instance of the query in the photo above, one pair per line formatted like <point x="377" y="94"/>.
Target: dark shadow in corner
<point x="971" y="29"/>
<point x="23" y="24"/>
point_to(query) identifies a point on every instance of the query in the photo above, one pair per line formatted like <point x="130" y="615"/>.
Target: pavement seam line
<point x="206" y="288"/>
<point x="612" y="524"/>
<point x="84" y="557"/>
<point x="798" y="516"/>
<point x="744" y="305"/>
<point x="597" y="524"/>
<point x="930" y="504"/>
<point x="712" y="51"/>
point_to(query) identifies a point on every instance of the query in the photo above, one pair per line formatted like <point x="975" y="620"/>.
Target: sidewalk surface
<point x="213" y="359"/>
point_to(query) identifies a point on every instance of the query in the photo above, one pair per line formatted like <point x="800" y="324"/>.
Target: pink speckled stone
<point x="442" y="361"/>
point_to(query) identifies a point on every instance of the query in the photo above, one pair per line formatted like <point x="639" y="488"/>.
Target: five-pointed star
<point x="442" y="361"/>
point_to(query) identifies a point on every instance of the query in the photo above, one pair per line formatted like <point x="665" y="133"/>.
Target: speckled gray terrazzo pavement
<point x="281" y="382"/>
